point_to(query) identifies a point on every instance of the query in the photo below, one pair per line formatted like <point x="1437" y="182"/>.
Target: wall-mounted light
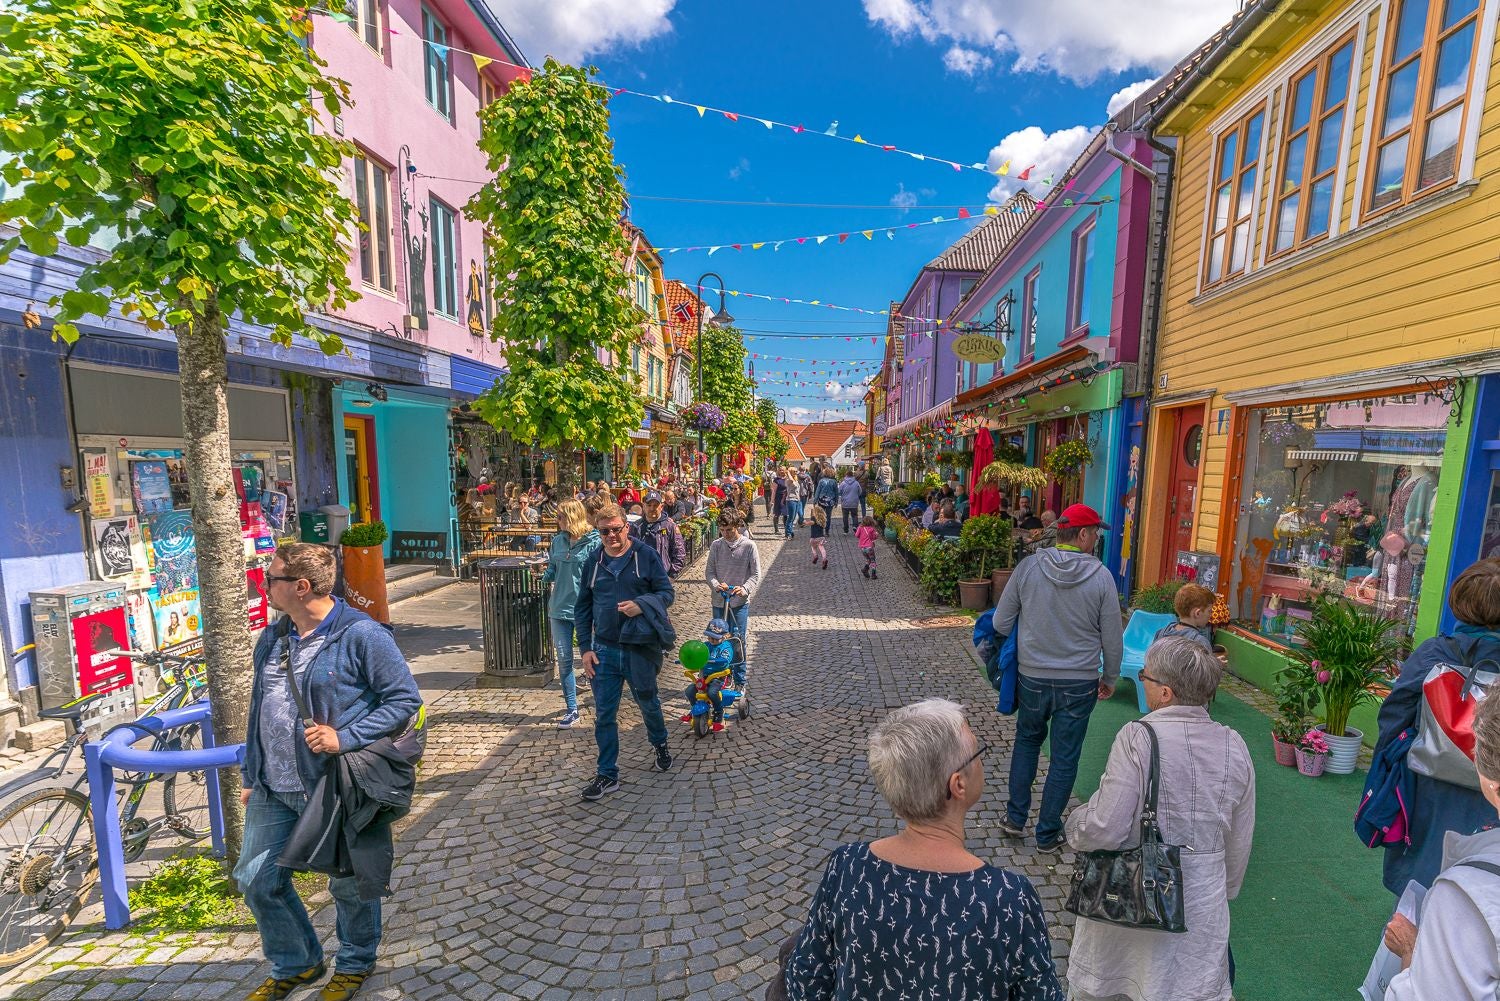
<point x="377" y="391"/>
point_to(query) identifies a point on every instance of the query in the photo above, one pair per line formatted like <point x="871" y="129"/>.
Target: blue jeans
<point x="1066" y="705"/>
<point x="610" y="679"/>
<point x="793" y="509"/>
<point x="739" y="623"/>
<point x="286" y="934"/>
<point x="562" y="645"/>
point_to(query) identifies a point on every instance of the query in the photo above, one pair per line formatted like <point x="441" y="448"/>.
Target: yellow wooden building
<point x="1329" y="311"/>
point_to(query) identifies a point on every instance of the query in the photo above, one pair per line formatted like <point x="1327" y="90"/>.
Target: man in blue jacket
<point x="623" y="631"/>
<point x="353" y="679"/>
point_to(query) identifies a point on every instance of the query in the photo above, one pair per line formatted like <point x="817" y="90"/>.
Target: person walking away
<point x="917" y="915"/>
<point x="1439" y="808"/>
<point x="657" y="529"/>
<point x="1065" y="605"/>
<point x="866" y="535"/>
<point x="571" y="548"/>
<point x="849" y="499"/>
<point x="1454" y="950"/>
<point x="733" y="573"/>
<point x="816" y="535"/>
<point x="826" y="494"/>
<point x="348" y="669"/>
<point x="862" y="474"/>
<point x="1193" y="604"/>
<point x="884" y="477"/>
<point x="789" y="498"/>
<point x="623" y="631"/>
<point x="1206" y="800"/>
<point x="805" y="489"/>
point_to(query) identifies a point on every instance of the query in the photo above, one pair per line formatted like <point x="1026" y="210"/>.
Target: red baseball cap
<point x="1080" y="516"/>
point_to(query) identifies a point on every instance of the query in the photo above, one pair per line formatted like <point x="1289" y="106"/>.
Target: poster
<point x="99" y="643"/>
<point x="119" y="552"/>
<point x="153" y="490"/>
<point x="176" y="549"/>
<point x="177" y="617"/>
<point x="100" y="487"/>
<point x="257" y="606"/>
<point x="139" y="619"/>
<point x="273" y="505"/>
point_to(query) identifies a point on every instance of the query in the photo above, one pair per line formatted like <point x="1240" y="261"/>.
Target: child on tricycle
<point x="707" y="666"/>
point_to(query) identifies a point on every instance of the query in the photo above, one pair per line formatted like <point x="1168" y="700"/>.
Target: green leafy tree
<point x="771" y="443"/>
<point x="182" y="130"/>
<point x="726" y="386"/>
<point x="557" y="252"/>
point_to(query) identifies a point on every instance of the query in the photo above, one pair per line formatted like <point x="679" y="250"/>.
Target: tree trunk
<point x="203" y="365"/>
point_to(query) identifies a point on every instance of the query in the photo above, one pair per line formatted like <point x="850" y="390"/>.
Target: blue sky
<point x="940" y="77"/>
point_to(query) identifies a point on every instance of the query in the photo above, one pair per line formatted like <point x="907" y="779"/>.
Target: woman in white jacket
<point x="1453" y="953"/>
<point x="1206" y="803"/>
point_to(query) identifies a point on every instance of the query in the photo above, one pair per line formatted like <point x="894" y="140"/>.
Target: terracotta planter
<point x="1343" y="752"/>
<point x="1311" y="764"/>
<point x="974" y="594"/>
<point x="1286" y="754"/>
<point x="998" y="580"/>
<point x="364" y="581"/>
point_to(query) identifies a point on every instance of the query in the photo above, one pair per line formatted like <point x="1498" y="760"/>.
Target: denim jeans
<point x="610" y="679"/>
<point x="793" y="516"/>
<point x="562" y="645"/>
<point x="739" y="623"/>
<point x="286" y="934"/>
<point x="1066" y="705"/>
<point x="850" y="514"/>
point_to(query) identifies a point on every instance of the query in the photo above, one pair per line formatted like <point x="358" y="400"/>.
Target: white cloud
<point x="1071" y="38"/>
<point x="1047" y="154"/>
<point x="1125" y="95"/>
<point x="570" y="30"/>
<point x="966" y="62"/>
<point x="807" y="415"/>
<point x="904" y="199"/>
<point x="743" y="167"/>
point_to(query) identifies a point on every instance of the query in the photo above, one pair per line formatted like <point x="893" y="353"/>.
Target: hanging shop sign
<point x="979" y="349"/>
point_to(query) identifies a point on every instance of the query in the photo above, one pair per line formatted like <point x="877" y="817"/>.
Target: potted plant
<point x="1157" y="599"/>
<point x="1290" y="724"/>
<point x="985" y="539"/>
<point x="1345" y="653"/>
<point x="1017" y="476"/>
<point x="1068" y="458"/>
<point x="1312" y="753"/>
<point x="894" y="523"/>
<point x="942" y="564"/>
<point x="364" y="568"/>
<point x="702" y="416"/>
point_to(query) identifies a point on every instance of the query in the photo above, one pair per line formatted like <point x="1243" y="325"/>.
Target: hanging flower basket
<point x="1068" y="458"/>
<point x="703" y="417"/>
<point x="1012" y="474"/>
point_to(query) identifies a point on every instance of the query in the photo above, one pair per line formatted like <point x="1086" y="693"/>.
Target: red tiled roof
<point x="789" y="434"/>
<point x="823" y="438"/>
<point x="683" y="323"/>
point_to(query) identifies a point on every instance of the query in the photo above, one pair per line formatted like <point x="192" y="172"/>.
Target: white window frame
<point x="435" y="25"/>
<point x="1031" y="301"/>
<point x="1078" y="307"/>
<point x="434" y="205"/>
<point x="374" y="176"/>
<point x="367" y="21"/>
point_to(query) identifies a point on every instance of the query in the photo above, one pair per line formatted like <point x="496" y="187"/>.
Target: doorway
<point x="360" y="469"/>
<point x="1182" y="486"/>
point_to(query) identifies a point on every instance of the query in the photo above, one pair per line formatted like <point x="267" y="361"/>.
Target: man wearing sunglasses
<point x="623" y="631"/>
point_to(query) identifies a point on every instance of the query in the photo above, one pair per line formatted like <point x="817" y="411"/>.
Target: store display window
<point x="1337" y="498"/>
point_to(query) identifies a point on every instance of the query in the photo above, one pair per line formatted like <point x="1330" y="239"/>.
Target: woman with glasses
<point x="1206" y="804"/>
<point x="917" y="914"/>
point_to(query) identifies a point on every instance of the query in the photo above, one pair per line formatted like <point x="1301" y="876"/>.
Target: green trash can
<point x="314" y="527"/>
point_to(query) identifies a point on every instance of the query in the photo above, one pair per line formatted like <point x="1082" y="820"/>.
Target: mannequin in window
<point x="1394" y="571"/>
<point x="1412" y="503"/>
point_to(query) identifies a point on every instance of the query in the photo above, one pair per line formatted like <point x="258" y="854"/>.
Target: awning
<point x="936" y="413"/>
<point x="1323" y="454"/>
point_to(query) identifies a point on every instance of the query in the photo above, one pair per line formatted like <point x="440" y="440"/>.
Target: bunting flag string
<point x="788" y="300"/>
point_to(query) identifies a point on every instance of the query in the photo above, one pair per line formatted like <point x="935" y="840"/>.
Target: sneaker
<point x="825" y="563"/>
<point x="874" y="575"/>
<point x="686" y="717"/>
<point x="1051" y="847"/>
<point x="718" y="727"/>
<point x="1011" y="830"/>
<point x="600" y="787"/>
<point x="663" y="759"/>
<point x="275" y="990"/>
<point x="343" y="986"/>
<point x="567" y="721"/>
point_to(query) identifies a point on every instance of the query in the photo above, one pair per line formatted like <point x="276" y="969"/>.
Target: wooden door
<point x="360" y="469"/>
<point x="1182" y="498"/>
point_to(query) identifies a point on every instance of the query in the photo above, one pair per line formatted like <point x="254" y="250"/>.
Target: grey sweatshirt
<point x="1458" y="932"/>
<point x="1070" y="617"/>
<point x="734" y="563"/>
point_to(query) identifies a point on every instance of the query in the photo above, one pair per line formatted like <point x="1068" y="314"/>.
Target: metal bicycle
<point x="48" y="860"/>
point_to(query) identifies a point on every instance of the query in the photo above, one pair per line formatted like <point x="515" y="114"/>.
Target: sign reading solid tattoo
<point x="419" y="547"/>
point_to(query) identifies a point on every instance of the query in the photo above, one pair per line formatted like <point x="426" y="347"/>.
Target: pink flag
<point x="963" y="213"/>
<point x="731" y="116"/>
<point x="1025" y="175"/>
<point x="843" y="237"/>
<point x="797" y="128"/>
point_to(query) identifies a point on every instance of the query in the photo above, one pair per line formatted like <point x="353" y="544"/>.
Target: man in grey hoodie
<point x="1065" y="604"/>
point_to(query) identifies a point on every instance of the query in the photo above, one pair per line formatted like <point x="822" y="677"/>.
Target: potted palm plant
<point x="985" y="540"/>
<point x="1346" y="653"/>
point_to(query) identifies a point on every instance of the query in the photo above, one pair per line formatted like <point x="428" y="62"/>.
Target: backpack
<point x="1444" y="746"/>
<point x="1382" y="817"/>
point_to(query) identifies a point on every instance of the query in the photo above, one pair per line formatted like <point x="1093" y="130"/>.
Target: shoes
<point x="600" y="787"/>
<point x="874" y="575"/>
<point x="1011" y="830"/>
<point x="825" y="563"/>
<point x="1051" y="847"/>
<point x="686" y="718"/>
<point x="568" y="720"/>
<point x="343" y="986"/>
<point x="275" y="990"/>
<point x="663" y="759"/>
<point x="718" y="727"/>
<point x="864" y="572"/>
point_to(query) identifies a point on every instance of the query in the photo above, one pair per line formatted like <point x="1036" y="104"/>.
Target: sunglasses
<point x="983" y="750"/>
<point x="289" y="580"/>
<point x="615" y="530"/>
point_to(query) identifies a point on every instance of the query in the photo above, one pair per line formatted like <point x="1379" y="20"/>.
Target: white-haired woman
<point x="1455" y="951"/>
<point x="918" y="913"/>
<point x="1206" y="802"/>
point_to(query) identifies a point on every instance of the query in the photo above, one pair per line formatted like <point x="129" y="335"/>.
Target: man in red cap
<point x="1065" y="605"/>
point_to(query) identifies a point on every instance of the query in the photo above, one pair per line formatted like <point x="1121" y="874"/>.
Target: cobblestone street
<point x="679" y="885"/>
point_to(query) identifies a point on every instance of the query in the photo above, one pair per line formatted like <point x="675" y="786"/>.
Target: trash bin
<point x="513" y="610"/>
<point x="314" y="526"/>
<point x="338" y="520"/>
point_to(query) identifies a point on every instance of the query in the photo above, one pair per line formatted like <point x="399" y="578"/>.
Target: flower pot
<point x="1286" y="754"/>
<point x="364" y="581"/>
<point x="1343" y="751"/>
<point x="998" y="580"/>
<point x="974" y="594"/>
<point x="891" y="535"/>
<point x="1311" y="764"/>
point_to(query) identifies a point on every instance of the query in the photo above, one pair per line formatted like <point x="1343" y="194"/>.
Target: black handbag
<point x="1138" y="887"/>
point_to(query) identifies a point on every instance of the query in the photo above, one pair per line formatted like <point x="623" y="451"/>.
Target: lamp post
<point x="721" y="319"/>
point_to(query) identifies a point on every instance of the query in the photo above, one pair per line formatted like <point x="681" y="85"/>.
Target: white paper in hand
<point x="1386" y="964"/>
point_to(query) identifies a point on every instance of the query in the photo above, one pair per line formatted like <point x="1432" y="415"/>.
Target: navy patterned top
<point x="882" y="932"/>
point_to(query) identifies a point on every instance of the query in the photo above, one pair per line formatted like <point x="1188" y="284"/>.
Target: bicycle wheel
<point x="184" y="795"/>
<point x="47" y="869"/>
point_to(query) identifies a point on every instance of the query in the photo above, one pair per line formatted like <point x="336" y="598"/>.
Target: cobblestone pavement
<point x="680" y="885"/>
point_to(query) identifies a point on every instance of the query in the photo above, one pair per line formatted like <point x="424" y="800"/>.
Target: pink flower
<point x="1323" y="677"/>
<point x="1316" y="664"/>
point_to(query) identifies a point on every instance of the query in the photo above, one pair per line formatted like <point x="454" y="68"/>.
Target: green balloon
<point x="694" y="654"/>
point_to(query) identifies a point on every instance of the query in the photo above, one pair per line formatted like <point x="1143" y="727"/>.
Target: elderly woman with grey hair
<point x="1206" y="804"/>
<point x="917" y="914"/>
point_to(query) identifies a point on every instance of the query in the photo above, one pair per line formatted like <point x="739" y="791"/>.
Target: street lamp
<point x="721" y="319"/>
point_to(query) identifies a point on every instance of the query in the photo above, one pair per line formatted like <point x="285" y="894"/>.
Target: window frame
<point x="437" y="209"/>
<point x="1078" y="317"/>
<point x="367" y="21"/>
<point x="1318" y="118"/>
<point x="1031" y="301"/>
<point x="1422" y="115"/>
<point x="1239" y="129"/>
<point x="366" y="170"/>
<point x="433" y="26"/>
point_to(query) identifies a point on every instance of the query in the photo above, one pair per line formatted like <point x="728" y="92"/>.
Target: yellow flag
<point x="1004" y="168"/>
<point x="480" y="62"/>
<point x="700" y="109"/>
<point x="757" y="246"/>
<point x="869" y="234"/>
<point x="859" y="139"/>
<point x="992" y="210"/>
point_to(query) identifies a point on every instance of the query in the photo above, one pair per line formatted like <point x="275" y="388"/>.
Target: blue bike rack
<point x="115" y="750"/>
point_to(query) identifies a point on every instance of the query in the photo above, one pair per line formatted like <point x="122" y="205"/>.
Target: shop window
<point x="444" y="259"/>
<point x="1078" y="290"/>
<point x="364" y="20"/>
<point x="1315" y="104"/>
<point x="372" y="195"/>
<point x="1423" y="89"/>
<point x="438" y="76"/>
<point x="488" y="92"/>
<point x="1337" y="499"/>
<point x="1232" y="198"/>
<point x="1031" y="305"/>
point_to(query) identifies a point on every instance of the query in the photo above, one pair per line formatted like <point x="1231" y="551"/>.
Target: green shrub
<point x="365" y="535"/>
<point x="897" y="500"/>
<point x="1158" y="597"/>
<point x="186" y="893"/>
<point x="942" y="561"/>
<point x="986" y="541"/>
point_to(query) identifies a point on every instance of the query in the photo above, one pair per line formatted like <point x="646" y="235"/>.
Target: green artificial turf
<point x="1312" y="908"/>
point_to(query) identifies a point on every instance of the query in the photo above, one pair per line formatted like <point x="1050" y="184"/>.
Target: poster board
<point x="1199" y="568"/>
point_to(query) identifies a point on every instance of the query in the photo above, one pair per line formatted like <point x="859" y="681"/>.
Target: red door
<point x="1182" y="502"/>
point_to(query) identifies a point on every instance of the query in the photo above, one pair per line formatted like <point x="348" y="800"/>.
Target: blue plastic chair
<point x="1139" y="632"/>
